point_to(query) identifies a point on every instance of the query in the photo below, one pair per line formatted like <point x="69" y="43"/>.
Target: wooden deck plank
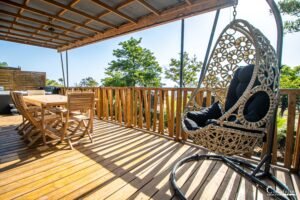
<point x="94" y="162"/>
<point x="190" y="187"/>
<point x="159" y="171"/>
<point x="125" y="186"/>
<point x="122" y="163"/>
<point x="229" y="187"/>
<point x="209" y="189"/>
<point x="246" y="189"/>
<point x="105" y="171"/>
<point x="116" y="174"/>
<point x="285" y="178"/>
<point x="52" y="166"/>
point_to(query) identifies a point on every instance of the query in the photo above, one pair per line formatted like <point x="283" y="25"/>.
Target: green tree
<point x="191" y="69"/>
<point x="52" y="83"/>
<point x="61" y="81"/>
<point x="292" y="8"/>
<point x="289" y="78"/>
<point x="88" y="82"/>
<point x="134" y="66"/>
<point x="3" y="64"/>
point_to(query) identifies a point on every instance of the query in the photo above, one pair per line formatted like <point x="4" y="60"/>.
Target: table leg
<point x="43" y="125"/>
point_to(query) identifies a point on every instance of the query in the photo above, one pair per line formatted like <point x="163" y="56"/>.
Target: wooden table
<point x="46" y="102"/>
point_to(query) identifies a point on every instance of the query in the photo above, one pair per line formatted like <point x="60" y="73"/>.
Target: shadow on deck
<point x="122" y="163"/>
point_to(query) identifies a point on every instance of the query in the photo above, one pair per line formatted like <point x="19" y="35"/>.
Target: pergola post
<point x="67" y="67"/>
<point x="181" y="54"/>
<point x="62" y="68"/>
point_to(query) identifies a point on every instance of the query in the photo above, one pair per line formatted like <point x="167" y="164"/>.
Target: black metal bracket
<point x="256" y="175"/>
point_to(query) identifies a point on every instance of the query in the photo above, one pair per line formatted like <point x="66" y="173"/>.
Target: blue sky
<point x="163" y="41"/>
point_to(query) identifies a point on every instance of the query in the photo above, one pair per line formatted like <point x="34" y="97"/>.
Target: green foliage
<point x="88" y="82"/>
<point x="292" y="8"/>
<point x="3" y="64"/>
<point x="134" y="66"/>
<point x="52" y="83"/>
<point x="281" y="130"/>
<point x="281" y="122"/>
<point x="191" y="69"/>
<point x="290" y="77"/>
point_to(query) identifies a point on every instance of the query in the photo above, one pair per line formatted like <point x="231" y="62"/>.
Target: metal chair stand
<point x="256" y="174"/>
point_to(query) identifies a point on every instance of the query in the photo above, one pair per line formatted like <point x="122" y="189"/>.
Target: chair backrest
<point x="22" y="107"/>
<point x="82" y="101"/>
<point x="35" y="92"/>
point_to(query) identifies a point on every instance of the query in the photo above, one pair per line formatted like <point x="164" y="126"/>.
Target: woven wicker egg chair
<point x="239" y="44"/>
<point x="234" y="132"/>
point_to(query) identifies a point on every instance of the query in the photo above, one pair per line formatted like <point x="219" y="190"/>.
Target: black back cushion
<point x="257" y="106"/>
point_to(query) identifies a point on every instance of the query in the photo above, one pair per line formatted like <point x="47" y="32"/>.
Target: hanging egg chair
<point x="242" y="74"/>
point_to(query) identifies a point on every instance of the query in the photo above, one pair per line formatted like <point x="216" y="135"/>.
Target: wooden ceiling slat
<point x="10" y="3"/>
<point x="30" y="37"/>
<point x="172" y="14"/>
<point x="44" y="23"/>
<point x="12" y="39"/>
<point x="36" y="29"/>
<point x="124" y="4"/>
<point x="115" y="11"/>
<point x="188" y="2"/>
<point x="149" y="7"/>
<point x="35" y="33"/>
<point x="69" y="8"/>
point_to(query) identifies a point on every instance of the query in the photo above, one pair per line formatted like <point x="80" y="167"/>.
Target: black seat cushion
<point x="200" y="117"/>
<point x="190" y="124"/>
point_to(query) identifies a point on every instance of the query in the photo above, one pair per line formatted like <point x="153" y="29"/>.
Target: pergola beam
<point x="115" y="11"/>
<point x="13" y="39"/>
<point x="34" y="33"/>
<point x="25" y="7"/>
<point x="149" y="7"/>
<point x="182" y="11"/>
<point x="45" y="23"/>
<point x="69" y="8"/>
<point x="30" y="37"/>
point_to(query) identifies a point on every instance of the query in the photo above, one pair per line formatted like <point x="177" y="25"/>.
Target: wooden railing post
<point x="161" y="111"/>
<point x="296" y="158"/>
<point x="178" y="114"/>
<point x="155" y="110"/>
<point x="98" y="93"/>
<point x="290" y="130"/>
<point x="146" y="107"/>
<point x="129" y="107"/>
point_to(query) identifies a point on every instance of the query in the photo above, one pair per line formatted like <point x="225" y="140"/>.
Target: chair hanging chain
<point x="234" y="9"/>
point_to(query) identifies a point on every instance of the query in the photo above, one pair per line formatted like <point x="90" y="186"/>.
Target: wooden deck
<point x="122" y="163"/>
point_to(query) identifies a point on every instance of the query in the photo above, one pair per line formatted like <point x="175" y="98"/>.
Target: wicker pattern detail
<point x="239" y="44"/>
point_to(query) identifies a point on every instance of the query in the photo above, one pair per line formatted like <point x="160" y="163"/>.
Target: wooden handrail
<point x="159" y="110"/>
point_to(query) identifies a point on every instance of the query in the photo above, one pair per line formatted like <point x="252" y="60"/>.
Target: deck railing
<point x="159" y="110"/>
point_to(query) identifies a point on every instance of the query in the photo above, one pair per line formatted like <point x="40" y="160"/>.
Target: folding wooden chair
<point x="33" y="131"/>
<point x="83" y="105"/>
